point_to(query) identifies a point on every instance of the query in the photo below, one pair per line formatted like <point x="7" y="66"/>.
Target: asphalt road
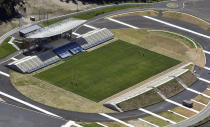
<point x="33" y="117"/>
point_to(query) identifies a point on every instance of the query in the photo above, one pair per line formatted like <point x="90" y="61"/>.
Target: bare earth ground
<point x="138" y="123"/>
<point x="5" y="27"/>
<point x="51" y="95"/>
<point x="139" y="13"/>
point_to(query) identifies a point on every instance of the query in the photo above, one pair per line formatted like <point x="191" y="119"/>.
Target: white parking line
<point x="178" y="114"/>
<point x="13" y="58"/>
<point x="76" y="34"/>
<point x="177" y="104"/>
<point x="148" y="122"/>
<point x="92" y="27"/>
<point x="158" y="116"/>
<point x="198" y="102"/>
<point x="101" y="124"/>
<point x="28" y="104"/>
<point x="207" y="68"/>
<point x="117" y="120"/>
<point x="178" y="27"/>
<point x="71" y="123"/>
<point x="125" y="24"/>
<point x="202" y="79"/>
<point x="5" y="74"/>
<point x="207" y="52"/>
<point x="197" y="92"/>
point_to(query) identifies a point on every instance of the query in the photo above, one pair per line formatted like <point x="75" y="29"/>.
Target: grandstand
<point x="67" y="50"/>
<point x="94" y="38"/>
<point x="32" y="63"/>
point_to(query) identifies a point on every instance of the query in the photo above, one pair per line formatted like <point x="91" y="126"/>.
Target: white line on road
<point x="5" y="74"/>
<point x="177" y="104"/>
<point x="208" y="89"/>
<point x="125" y="24"/>
<point x="178" y="114"/>
<point x="178" y="27"/>
<point x="76" y="34"/>
<point x="207" y="68"/>
<point x="13" y="58"/>
<point x="71" y="123"/>
<point x="117" y="120"/>
<point x="207" y="52"/>
<point x="197" y="92"/>
<point x="156" y="115"/>
<point x="202" y="79"/>
<point x="101" y="124"/>
<point x="198" y="102"/>
<point x="148" y="122"/>
<point x="28" y="104"/>
<point x="92" y="27"/>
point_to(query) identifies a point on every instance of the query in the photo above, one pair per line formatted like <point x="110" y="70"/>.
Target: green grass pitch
<point x="108" y="70"/>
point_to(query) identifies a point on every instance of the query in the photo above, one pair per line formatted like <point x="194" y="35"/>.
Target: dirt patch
<point x="139" y="123"/>
<point x="187" y="18"/>
<point x="183" y="111"/>
<point x="202" y="99"/>
<point x="7" y="26"/>
<point x="138" y="13"/>
<point x="198" y="106"/>
<point x="207" y="92"/>
<point x="172" y="116"/>
<point x="51" y="95"/>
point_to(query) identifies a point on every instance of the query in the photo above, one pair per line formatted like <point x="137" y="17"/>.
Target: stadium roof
<point x="30" y="29"/>
<point x="56" y="29"/>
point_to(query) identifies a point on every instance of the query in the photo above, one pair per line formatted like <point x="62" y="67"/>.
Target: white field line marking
<point x="76" y="34"/>
<point x="207" y="68"/>
<point x="207" y="81"/>
<point x="198" y="102"/>
<point x="148" y="122"/>
<point x="177" y="104"/>
<point x="5" y="74"/>
<point x="125" y="24"/>
<point x="156" y="115"/>
<point x="178" y="114"/>
<point x="28" y="104"/>
<point x="207" y="52"/>
<point x="176" y="35"/>
<point x="13" y="58"/>
<point x="92" y="27"/>
<point x="117" y="120"/>
<point x="194" y="91"/>
<point x="178" y="27"/>
<point x="101" y="124"/>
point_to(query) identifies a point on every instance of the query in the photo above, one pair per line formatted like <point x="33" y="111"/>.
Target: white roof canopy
<point x="56" y="29"/>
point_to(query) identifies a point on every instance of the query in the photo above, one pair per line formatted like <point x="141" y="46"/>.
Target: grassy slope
<point x="93" y="14"/>
<point x="107" y="70"/>
<point x="6" y="49"/>
<point x="168" y="89"/>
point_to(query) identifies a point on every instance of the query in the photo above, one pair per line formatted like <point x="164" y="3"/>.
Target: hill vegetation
<point x="7" y="9"/>
<point x="118" y="1"/>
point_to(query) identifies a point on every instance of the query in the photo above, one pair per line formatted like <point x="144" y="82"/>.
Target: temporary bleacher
<point x="32" y="63"/>
<point x="94" y="38"/>
<point x="67" y="50"/>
